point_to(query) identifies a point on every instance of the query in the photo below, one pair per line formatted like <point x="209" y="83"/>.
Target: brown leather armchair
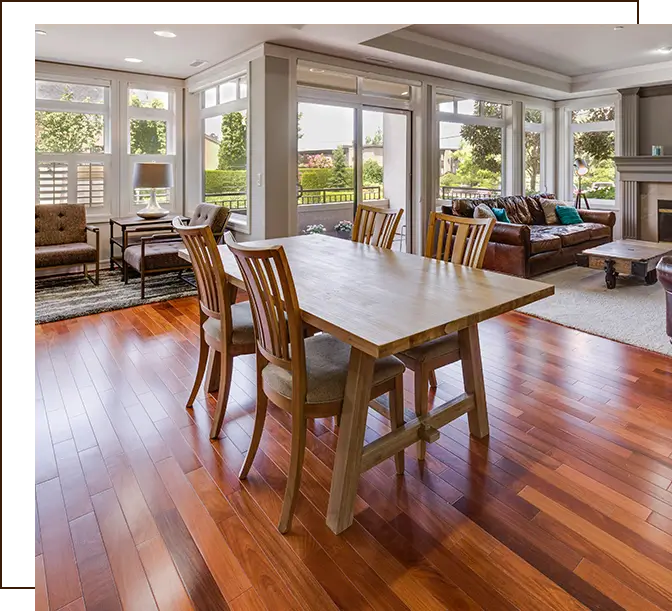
<point x="664" y="271"/>
<point x="61" y="238"/>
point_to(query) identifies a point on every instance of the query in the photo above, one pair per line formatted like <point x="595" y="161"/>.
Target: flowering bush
<point x="343" y="226"/>
<point x="317" y="161"/>
<point x="315" y="229"/>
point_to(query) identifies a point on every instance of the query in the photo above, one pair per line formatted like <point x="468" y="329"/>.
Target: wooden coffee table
<point x="628" y="257"/>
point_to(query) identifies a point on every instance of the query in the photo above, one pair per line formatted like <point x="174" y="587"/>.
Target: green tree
<point x="372" y="173"/>
<point x="485" y="141"/>
<point x="376" y="139"/>
<point x="532" y="151"/>
<point x="339" y="176"/>
<point x="594" y="146"/>
<point x="299" y="131"/>
<point x="233" y="144"/>
<point x="68" y="132"/>
<point x="148" y="137"/>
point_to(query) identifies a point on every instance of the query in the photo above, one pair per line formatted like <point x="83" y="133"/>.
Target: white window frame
<point x="566" y="130"/>
<point x="237" y="221"/>
<point x="454" y="117"/>
<point x="539" y="128"/>
<point x="96" y="211"/>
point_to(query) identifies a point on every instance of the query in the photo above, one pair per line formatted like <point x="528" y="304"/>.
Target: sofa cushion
<point x="571" y="235"/>
<point x="543" y="239"/>
<point x="516" y="209"/>
<point x="597" y="230"/>
<point x="548" y="208"/>
<point x="534" y="206"/>
<point x="64" y="254"/>
<point x="159" y="255"/>
<point x="59" y="224"/>
<point x="464" y="207"/>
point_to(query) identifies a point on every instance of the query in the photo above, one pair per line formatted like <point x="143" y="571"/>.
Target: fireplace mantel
<point x="645" y="168"/>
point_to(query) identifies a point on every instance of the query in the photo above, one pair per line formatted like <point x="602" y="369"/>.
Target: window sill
<point x="235" y="223"/>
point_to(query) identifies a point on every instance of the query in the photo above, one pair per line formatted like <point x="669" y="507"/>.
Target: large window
<point x="593" y="140"/>
<point x="470" y="147"/>
<point x="72" y="151"/>
<point x="225" y="145"/>
<point x="534" y="150"/>
<point x="151" y="135"/>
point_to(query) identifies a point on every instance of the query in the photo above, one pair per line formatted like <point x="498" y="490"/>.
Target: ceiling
<point x="572" y="50"/>
<point x="541" y="60"/>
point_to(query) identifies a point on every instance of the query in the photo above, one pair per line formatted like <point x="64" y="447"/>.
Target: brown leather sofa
<point x="61" y="238"/>
<point x="527" y="246"/>
<point x="664" y="271"/>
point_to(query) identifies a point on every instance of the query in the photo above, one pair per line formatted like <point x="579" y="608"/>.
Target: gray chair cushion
<point x="434" y="348"/>
<point x="211" y="215"/>
<point x="327" y="362"/>
<point x="158" y="255"/>
<point x="64" y="254"/>
<point x="241" y="319"/>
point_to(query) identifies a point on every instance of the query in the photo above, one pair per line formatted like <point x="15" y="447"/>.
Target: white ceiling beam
<point x="353" y="33"/>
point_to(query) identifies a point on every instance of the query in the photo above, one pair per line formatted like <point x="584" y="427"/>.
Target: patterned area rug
<point x="58" y="298"/>
<point x="632" y="313"/>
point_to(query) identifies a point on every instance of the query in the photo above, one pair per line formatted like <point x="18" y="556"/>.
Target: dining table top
<point x="382" y="301"/>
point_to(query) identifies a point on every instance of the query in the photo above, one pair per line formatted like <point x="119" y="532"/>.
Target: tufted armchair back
<point x="59" y="224"/>
<point x="212" y="215"/>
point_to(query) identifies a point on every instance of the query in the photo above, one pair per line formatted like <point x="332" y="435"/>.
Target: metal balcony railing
<point x="468" y="192"/>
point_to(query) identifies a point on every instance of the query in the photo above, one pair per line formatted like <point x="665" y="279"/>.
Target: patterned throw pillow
<point x="548" y="206"/>
<point x="483" y="212"/>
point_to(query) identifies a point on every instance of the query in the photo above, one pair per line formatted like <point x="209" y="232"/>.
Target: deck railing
<point x="468" y="193"/>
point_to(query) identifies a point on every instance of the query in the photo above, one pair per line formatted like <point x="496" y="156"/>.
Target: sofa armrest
<point x="92" y="228"/>
<point x="513" y="234"/>
<point x="603" y="217"/>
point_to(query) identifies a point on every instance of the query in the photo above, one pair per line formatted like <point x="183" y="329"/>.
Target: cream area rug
<point x="632" y="313"/>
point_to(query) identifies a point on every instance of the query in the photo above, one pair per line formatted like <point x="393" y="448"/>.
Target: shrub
<point x="320" y="178"/>
<point x="372" y="172"/>
<point x="603" y="193"/>
<point x="222" y="181"/>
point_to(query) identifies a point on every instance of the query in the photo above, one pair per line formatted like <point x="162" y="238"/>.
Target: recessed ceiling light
<point x="197" y="63"/>
<point x="618" y="28"/>
<point x="40" y="32"/>
<point x="165" y="33"/>
<point x="665" y="50"/>
<point x="318" y="70"/>
<point x="132" y="60"/>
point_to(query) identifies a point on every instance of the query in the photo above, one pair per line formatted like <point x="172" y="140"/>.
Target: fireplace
<point x="665" y="220"/>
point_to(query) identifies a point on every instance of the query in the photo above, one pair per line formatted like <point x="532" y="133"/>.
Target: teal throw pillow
<point x="500" y="215"/>
<point x="568" y="215"/>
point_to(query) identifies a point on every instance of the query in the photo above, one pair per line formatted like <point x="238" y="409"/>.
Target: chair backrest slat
<point x="375" y="226"/>
<point x="458" y="239"/>
<point x="275" y="308"/>
<point x="213" y="288"/>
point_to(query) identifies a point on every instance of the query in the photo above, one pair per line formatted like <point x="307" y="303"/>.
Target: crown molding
<point x="636" y="76"/>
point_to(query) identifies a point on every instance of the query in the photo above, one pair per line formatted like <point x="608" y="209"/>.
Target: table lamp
<point x="581" y="168"/>
<point x="152" y="176"/>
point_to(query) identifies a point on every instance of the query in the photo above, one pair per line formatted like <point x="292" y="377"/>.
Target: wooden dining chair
<point x="304" y="376"/>
<point x="226" y="327"/>
<point x="375" y="226"/>
<point x="457" y="240"/>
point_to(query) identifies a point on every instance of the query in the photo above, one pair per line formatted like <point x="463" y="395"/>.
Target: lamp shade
<point x="580" y="166"/>
<point x="152" y="175"/>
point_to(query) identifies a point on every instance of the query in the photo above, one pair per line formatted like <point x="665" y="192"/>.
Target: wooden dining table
<point x="382" y="302"/>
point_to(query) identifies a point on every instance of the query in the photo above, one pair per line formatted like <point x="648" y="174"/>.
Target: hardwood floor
<point x="567" y="505"/>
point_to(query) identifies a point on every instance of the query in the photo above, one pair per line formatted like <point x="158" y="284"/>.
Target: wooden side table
<point x="132" y="229"/>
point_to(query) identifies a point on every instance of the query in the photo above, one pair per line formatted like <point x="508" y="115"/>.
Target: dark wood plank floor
<point x="567" y="505"/>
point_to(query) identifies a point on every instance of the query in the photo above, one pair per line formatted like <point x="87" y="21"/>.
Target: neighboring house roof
<point x="212" y="138"/>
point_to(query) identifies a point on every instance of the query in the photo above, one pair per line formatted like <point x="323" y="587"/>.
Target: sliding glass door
<point x="347" y="155"/>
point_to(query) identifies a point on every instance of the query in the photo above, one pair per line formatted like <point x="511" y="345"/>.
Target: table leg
<point x="472" y="373"/>
<point x="350" y="442"/>
<point x="610" y="273"/>
<point x="212" y="372"/>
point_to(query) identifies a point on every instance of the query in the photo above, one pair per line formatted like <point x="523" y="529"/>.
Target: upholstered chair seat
<point x="327" y="362"/>
<point x="241" y="323"/>
<point x="61" y="238"/>
<point x="436" y="348"/>
<point x="160" y="253"/>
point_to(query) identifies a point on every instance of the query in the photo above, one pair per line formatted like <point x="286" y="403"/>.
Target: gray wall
<point x="655" y="123"/>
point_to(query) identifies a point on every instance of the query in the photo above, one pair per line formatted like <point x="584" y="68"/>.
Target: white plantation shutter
<point x="52" y="183"/>
<point x="91" y="184"/>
